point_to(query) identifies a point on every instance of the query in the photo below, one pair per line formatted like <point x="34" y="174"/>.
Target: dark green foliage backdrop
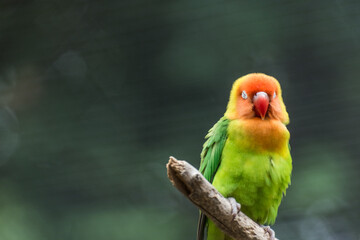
<point x="95" y="95"/>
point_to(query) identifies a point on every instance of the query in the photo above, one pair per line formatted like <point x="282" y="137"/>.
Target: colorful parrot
<point x="247" y="155"/>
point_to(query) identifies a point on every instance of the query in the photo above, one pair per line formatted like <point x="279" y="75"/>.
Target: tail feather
<point x="201" y="227"/>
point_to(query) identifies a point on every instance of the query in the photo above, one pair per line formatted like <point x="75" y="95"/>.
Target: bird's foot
<point x="270" y="232"/>
<point x="235" y="206"/>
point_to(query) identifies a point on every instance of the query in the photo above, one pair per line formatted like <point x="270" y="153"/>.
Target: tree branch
<point x="200" y="192"/>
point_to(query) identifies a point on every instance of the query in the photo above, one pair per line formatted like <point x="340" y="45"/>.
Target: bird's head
<point x="256" y="96"/>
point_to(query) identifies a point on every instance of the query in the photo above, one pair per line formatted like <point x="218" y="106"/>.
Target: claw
<point x="235" y="206"/>
<point x="270" y="232"/>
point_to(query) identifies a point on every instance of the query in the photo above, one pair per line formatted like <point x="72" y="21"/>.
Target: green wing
<point x="210" y="160"/>
<point x="212" y="149"/>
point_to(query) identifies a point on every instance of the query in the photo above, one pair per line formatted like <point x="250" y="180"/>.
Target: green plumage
<point x="212" y="148"/>
<point x="248" y="167"/>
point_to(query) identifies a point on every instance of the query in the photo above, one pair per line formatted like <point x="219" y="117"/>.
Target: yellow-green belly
<point x="256" y="181"/>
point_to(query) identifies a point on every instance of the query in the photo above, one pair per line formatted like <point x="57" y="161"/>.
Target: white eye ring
<point x="274" y="96"/>
<point x="244" y="95"/>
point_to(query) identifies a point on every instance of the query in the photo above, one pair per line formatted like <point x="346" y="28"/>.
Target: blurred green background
<point x="96" y="95"/>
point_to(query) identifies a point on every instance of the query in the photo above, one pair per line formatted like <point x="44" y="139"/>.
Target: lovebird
<point x="246" y="155"/>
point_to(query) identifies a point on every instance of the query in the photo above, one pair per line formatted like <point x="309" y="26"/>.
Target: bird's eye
<point x="244" y="95"/>
<point x="274" y="95"/>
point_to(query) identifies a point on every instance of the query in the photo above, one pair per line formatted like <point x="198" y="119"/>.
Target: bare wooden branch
<point x="200" y="192"/>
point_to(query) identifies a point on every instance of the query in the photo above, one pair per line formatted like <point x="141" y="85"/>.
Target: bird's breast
<point x="259" y="135"/>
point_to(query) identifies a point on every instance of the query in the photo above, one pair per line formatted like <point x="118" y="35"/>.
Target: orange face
<point x="256" y="96"/>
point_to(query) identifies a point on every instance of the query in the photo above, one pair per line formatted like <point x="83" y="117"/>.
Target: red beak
<point x="261" y="103"/>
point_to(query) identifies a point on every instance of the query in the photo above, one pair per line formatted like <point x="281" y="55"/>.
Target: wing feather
<point x="210" y="160"/>
<point x="212" y="148"/>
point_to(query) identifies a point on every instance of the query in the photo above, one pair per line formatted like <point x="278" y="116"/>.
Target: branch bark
<point x="200" y="192"/>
